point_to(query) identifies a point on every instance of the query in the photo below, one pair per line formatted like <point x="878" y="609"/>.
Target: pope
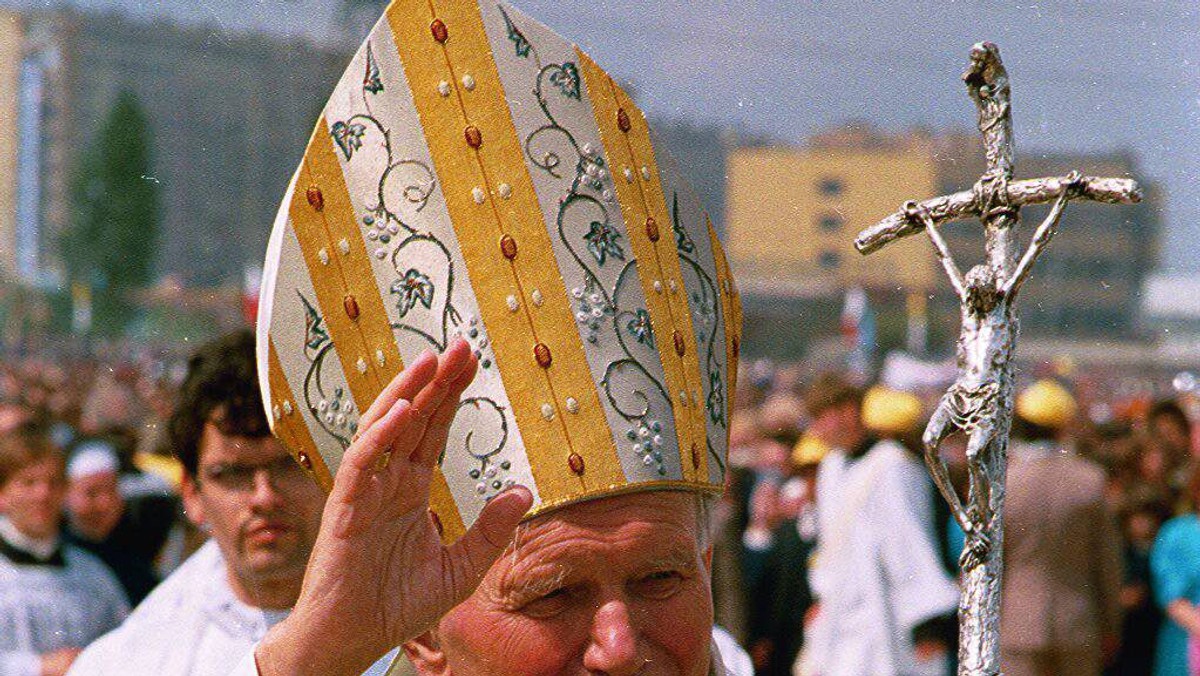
<point x="500" y="331"/>
<point x="616" y="585"/>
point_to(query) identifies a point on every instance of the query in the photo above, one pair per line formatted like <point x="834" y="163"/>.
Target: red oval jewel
<point x="437" y="522"/>
<point x="438" y="28"/>
<point x="737" y="347"/>
<point x="474" y="136"/>
<point x="623" y="120"/>
<point x="575" y="462"/>
<point x="508" y="247"/>
<point x="652" y="229"/>
<point x="351" y="306"/>
<point x="315" y="199"/>
<point x="304" y="460"/>
<point x="695" y="457"/>
<point x="679" y="344"/>
<point x="542" y="354"/>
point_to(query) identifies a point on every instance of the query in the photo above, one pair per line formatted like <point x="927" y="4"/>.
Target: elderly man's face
<point x="614" y="586"/>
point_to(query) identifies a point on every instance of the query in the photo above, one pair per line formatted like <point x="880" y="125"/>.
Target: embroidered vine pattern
<point x="329" y="406"/>
<point x="586" y="202"/>
<point x="422" y="284"/>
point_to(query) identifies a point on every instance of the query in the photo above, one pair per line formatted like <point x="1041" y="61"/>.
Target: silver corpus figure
<point x="980" y="401"/>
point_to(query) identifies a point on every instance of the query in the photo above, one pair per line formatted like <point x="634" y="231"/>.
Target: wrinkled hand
<point x="379" y="573"/>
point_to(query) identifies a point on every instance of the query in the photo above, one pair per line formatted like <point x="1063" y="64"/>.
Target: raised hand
<point x="379" y="573"/>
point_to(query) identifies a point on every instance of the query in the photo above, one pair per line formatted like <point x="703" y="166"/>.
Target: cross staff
<point x="980" y="401"/>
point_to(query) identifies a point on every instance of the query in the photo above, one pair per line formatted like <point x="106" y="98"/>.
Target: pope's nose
<point x="613" y="649"/>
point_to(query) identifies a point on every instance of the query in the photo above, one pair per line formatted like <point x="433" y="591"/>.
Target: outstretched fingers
<point x="405" y="385"/>
<point x="442" y="387"/>
<point x="437" y="431"/>
<point x="363" y="456"/>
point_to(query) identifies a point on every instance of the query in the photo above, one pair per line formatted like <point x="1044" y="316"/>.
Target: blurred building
<point x="229" y="117"/>
<point x="1171" y="307"/>
<point x="793" y="214"/>
<point x="33" y="151"/>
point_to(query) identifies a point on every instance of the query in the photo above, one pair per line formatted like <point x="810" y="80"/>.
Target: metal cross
<point x="980" y="401"/>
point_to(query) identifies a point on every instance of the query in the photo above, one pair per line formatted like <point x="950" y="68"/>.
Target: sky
<point x="1096" y="75"/>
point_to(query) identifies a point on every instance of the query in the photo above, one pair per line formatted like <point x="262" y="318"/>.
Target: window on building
<point x="830" y="259"/>
<point x="831" y="222"/>
<point x="831" y="186"/>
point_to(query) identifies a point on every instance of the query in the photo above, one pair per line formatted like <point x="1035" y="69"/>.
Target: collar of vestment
<point x="22" y="550"/>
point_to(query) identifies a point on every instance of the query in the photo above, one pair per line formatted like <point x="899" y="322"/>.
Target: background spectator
<point x="54" y="598"/>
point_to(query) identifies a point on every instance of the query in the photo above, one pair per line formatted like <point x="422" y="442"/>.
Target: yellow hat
<point x="1046" y="403"/>
<point x="809" y="450"/>
<point x="476" y="175"/>
<point x="167" y="467"/>
<point x="888" y="411"/>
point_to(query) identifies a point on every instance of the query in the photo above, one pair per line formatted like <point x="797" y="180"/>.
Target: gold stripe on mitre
<point x="626" y="144"/>
<point x="361" y="301"/>
<point x="287" y="422"/>
<point x="475" y="175"/>
<point x="730" y="307"/>
<point x="503" y="240"/>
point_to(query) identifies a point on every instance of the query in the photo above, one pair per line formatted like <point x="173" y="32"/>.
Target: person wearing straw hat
<point x="1060" y="609"/>
<point x="489" y="299"/>
<point x="884" y="599"/>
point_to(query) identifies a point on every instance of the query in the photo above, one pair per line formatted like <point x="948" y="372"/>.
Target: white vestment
<point x="876" y="573"/>
<point x="191" y="625"/>
<point x="44" y="608"/>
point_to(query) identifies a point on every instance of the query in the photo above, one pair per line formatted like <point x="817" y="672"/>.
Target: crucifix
<point x="979" y="403"/>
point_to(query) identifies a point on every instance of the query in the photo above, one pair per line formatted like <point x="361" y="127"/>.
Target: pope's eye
<point x="660" y="584"/>
<point x="549" y="604"/>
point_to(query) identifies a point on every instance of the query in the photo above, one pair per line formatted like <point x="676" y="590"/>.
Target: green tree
<point x="112" y="243"/>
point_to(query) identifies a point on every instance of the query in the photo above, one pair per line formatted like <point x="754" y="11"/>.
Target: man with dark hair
<point x="1170" y="436"/>
<point x="54" y="598"/>
<point x="221" y="393"/>
<point x="886" y="605"/>
<point x="263" y="512"/>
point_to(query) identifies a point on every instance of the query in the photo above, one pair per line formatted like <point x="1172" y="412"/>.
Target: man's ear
<point x="193" y="506"/>
<point x="425" y="652"/>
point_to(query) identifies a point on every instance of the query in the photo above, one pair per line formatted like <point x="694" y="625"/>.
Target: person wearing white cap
<point x="97" y="520"/>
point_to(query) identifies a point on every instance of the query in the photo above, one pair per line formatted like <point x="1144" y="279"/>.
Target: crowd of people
<point x="840" y="556"/>
<point x="133" y="494"/>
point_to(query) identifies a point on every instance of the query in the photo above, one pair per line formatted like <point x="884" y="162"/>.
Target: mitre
<point x="474" y="174"/>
